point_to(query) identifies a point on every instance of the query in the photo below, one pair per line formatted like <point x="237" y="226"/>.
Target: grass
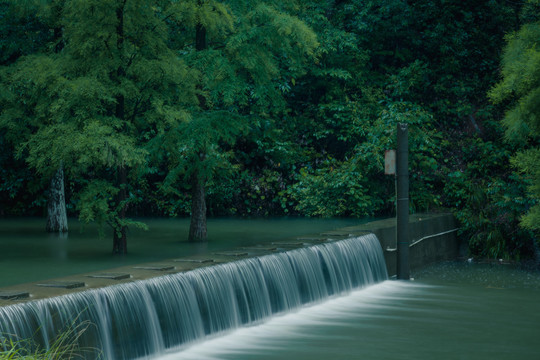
<point x="64" y="346"/>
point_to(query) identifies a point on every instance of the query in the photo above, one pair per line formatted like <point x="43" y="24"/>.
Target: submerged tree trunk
<point x="120" y="240"/>
<point x="119" y="228"/>
<point x="197" y="227"/>
<point x="56" y="207"/>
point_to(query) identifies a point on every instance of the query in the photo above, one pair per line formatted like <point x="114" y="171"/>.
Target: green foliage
<point x="21" y="31"/>
<point x="489" y="201"/>
<point x="250" y="58"/>
<point x="194" y="147"/>
<point x="528" y="162"/>
<point x="275" y="107"/>
<point x="520" y="85"/>
<point x="521" y="81"/>
<point x="335" y="189"/>
<point x="214" y="16"/>
<point x="95" y="202"/>
<point x="94" y="105"/>
<point x="249" y="194"/>
<point x="362" y="143"/>
<point x="530" y="11"/>
<point x="245" y="60"/>
<point x="424" y="155"/>
<point x="19" y="187"/>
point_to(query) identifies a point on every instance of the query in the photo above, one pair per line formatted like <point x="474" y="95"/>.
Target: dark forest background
<point x="272" y="108"/>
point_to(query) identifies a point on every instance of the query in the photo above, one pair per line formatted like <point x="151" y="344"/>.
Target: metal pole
<point x="403" y="269"/>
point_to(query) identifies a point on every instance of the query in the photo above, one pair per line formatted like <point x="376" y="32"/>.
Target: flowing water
<point x="147" y="317"/>
<point x="450" y="311"/>
<point x="28" y="253"/>
<point x="326" y="302"/>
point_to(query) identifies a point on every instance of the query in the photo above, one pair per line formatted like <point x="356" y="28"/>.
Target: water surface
<point x="450" y="311"/>
<point x="28" y="253"/>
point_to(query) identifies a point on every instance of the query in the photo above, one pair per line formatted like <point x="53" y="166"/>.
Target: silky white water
<point x="450" y="311"/>
<point x="294" y="328"/>
<point x="145" y="318"/>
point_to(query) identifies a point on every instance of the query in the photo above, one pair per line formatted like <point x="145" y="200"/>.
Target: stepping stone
<point x="14" y="295"/>
<point x="232" y="253"/>
<point x="199" y="261"/>
<point x="315" y="239"/>
<point x="288" y="243"/>
<point x="63" y="284"/>
<point x="260" y="248"/>
<point x="155" y="267"/>
<point x="112" y="276"/>
<point x="336" y="234"/>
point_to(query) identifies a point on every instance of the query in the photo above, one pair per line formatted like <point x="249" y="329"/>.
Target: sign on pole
<point x="390" y="162"/>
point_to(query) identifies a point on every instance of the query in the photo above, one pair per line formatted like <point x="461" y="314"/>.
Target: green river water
<point x="450" y="311"/>
<point x="28" y="253"/>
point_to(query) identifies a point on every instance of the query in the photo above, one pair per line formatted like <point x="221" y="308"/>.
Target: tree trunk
<point x="119" y="240"/>
<point x="119" y="227"/>
<point x="120" y="230"/>
<point x="200" y="37"/>
<point x="56" y="207"/>
<point x="197" y="227"/>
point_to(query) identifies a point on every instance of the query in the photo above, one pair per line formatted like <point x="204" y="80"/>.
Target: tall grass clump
<point x="64" y="346"/>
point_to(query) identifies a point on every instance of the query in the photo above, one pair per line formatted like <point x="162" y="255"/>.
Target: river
<point x="449" y="311"/>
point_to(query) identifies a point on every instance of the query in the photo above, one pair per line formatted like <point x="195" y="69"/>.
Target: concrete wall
<point x="438" y="231"/>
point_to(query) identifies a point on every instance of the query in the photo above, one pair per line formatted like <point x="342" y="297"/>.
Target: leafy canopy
<point x="521" y="85"/>
<point x="94" y="105"/>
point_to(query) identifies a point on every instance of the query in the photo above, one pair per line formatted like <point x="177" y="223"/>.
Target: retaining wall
<point x="433" y="238"/>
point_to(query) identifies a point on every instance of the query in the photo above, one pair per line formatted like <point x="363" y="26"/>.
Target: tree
<point x="56" y="204"/>
<point x="520" y="85"/>
<point x="94" y="106"/>
<point x="246" y="56"/>
<point x="25" y="30"/>
<point x="345" y="110"/>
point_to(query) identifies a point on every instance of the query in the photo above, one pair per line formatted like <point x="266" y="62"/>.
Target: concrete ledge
<point x="113" y="276"/>
<point x="155" y="267"/>
<point x="198" y="261"/>
<point x="62" y="284"/>
<point x="232" y="253"/>
<point x="14" y="295"/>
<point x="437" y="232"/>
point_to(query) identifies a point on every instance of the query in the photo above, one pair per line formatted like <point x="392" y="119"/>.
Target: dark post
<point x="403" y="270"/>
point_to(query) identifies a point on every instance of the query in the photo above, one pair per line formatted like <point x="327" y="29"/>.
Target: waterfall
<point x="145" y="318"/>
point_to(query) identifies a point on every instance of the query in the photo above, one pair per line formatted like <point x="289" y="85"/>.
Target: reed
<point x="64" y="346"/>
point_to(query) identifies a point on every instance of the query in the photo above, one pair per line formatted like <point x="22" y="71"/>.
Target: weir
<point x="148" y="317"/>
